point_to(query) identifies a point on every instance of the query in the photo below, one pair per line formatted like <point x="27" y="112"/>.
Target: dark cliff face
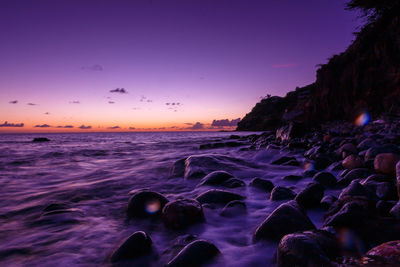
<point x="366" y="77"/>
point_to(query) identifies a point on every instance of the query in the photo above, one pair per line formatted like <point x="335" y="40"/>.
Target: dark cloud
<point x="74" y="102"/>
<point x="47" y="113"/>
<point x="65" y="126"/>
<point x="132" y="128"/>
<point x="114" y="127"/>
<point x="225" y="123"/>
<point x="31" y="104"/>
<point x="173" y="104"/>
<point x="196" y="126"/>
<point x="6" y="124"/>
<point x="145" y="99"/>
<point x="111" y="102"/>
<point x="119" y="90"/>
<point x="13" y="102"/>
<point x="85" y="127"/>
<point x="42" y="126"/>
<point x="95" y="67"/>
<point x="188" y="123"/>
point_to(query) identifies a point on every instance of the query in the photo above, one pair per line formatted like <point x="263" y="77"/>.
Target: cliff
<point x="366" y="77"/>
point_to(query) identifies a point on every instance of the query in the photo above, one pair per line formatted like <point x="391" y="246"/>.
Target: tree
<point x="373" y="9"/>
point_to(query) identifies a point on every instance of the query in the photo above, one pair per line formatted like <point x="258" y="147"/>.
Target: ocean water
<point x="89" y="176"/>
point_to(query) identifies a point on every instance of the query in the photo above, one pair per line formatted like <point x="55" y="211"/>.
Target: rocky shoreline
<point x="350" y="174"/>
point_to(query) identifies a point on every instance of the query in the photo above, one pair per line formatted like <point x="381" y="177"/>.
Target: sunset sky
<point x="121" y="65"/>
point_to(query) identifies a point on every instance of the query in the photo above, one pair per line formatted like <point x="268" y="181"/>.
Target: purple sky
<point x="215" y="58"/>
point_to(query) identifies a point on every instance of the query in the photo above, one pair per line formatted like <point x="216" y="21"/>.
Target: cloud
<point x="114" y="127"/>
<point x="6" y="124"/>
<point x="136" y="108"/>
<point x="111" y="102"/>
<point x="132" y="128"/>
<point x="42" y="126"/>
<point x="32" y="104"/>
<point x="13" y="102"/>
<point x="83" y="127"/>
<point x="145" y="99"/>
<point x="287" y="65"/>
<point x="119" y="90"/>
<point x="173" y="104"/>
<point x="196" y="126"/>
<point x="65" y="126"/>
<point x="74" y="102"/>
<point x="47" y="113"/>
<point x="95" y="67"/>
<point x="225" y="123"/>
<point x="188" y="123"/>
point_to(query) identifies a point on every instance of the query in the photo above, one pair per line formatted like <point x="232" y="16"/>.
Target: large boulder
<point x="282" y="193"/>
<point x="290" y="131"/>
<point x="386" y="163"/>
<point x="310" y="248"/>
<point x="352" y="162"/>
<point x="216" y="196"/>
<point x="326" y="179"/>
<point x="287" y="218"/>
<point x="194" y="254"/>
<point x="311" y="195"/>
<point x="138" y="244"/>
<point x="262" y="184"/>
<point x="182" y="213"/>
<point x="146" y="203"/>
<point x="216" y="178"/>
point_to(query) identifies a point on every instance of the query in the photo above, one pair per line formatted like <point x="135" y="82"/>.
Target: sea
<point x="87" y="178"/>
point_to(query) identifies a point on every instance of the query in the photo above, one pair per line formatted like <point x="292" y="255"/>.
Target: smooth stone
<point x="366" y="144"/>
<point x="395" y="211"/>
<point x="182" y="213"/>
<point x="311" y="195"/>
<point x="216" y="178"/>
<point x="233" y="183"/>
<point x="137" y="245"/>
<point x="234" y="208"/>
<point x="194" y="254"/>
<point x="347" y="150"/>
<point x="292" y="177"/>
<point x="282" y="193"/>
<point x="146" y="203"/>
<point x="327" y="201"/>
<point x="310" y="248"/>
<point x="177" y="245"/>
<point x="374" y="151"/>
<point x="326" y="179"/>
<point x="359" y="173"/>
<point x="216" y="196"/>
<point x="352" y="162"/>
<point x="287" y="218"/>
<point x="178" y="168"/>
<point x="355" y="189"/>
<point x="352" y="214"/>
<point x="383" y="207"/>
<point x="386" y="163"/>
<point x="263" y="184"/>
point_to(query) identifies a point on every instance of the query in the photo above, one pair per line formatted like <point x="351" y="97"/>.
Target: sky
<point x="119" y="65"/>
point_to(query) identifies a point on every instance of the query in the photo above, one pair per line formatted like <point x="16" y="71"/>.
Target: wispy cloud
<point x="65" y="126"/>
<point x="135" y="108"/>
<point x="225" y="123"/>
<point x="145" y="99"/>
<point x="173" y="104"/>
<point x="13" y="102"/>
<point x="42" y="126"/>
<point x="74" y="102"/>
<point x="111" y="102"/>
<point x="6" y="124"/>
<point x="47" y="113"/>
<point x="83" y="127"/>
<point x="114" y="127"/>
<point x="32" y="104"/>
<point x="285" y="65"/>
<point x="119" y="91"/>
<point x="95" y="67"/>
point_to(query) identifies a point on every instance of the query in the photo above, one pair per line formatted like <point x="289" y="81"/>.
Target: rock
<point x="366" y="144"/>
<point x="327" y="201"/>
<point x="398" y="178"/>
<point x="40" y="139"/>
<point x="386" y="163"/>
<point x="216" y="196"/>
<point x="347" y="150"/>
<point x="282" y="193"/>
<point x="194" y="254"/>
<point x="146" y="203"/>
<point x="359" y="173"/>
<point x="290" y="131"/>
<point x="138" y="244"/>
<point x="374" y="151"/>
<point x="326" y="179"/>
<point x="395" y="211"/>
<point x="291" y="163"/>
<point x="282" y="160"/>
<point x="233" y="183"/>
<point x="383" y="207"/>
<point x="178" y="168"/>
<point x="177" y="245"/>
<point x="234" y="208"/>
<point x="352" y="214"/>
<point x="216" y="178"/>
<point x="310" y="248"/>
<point x="288" y="218"/>
<point x="292" y="177"/>
<point x="355" y="189"/>
<point x="386" y="191"/>
<point x="352" y="162"/>
<point x="322" y="161"/>
<point x="262" y="184"/>
<point x="311" y="195"/>
<point x="182" y="213"/>
<point x="386" y="254"/>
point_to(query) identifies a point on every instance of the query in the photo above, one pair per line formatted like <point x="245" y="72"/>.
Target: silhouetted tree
<point x="373" y="9"/>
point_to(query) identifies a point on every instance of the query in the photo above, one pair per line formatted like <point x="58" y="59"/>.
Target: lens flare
<point x="309" y="166"/>
<point x="152" y="206"/>
<point x="362" y="119"/>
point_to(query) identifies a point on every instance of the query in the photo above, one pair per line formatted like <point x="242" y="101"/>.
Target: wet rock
<point x="326" y="179"/>
<point x="385" y="191"/>
<point x="234" y="208"/>
<point x="356" y="189"/>
<point x="263" y="184"/>
<point x="286" y="219"/>
<point x="311" y="195"/>
<point x="359" y="173"/>
<point x="216" y="178"/>
<point x="327" y="201"/>
<point x="398" y="178"/>
<point x="282" y="160"/>
<point x="386" y="254"/>
<point x="138" y="244"/>
<point x="292" y="177"/>
<point x="310" y="248"/>
<point x="374" y="151"/>
<point x="352" y="214"/>
<point x="366" y="144"/>
<point x="395" y="211"/>
<point x="347" y="150"/>
<point x="322" y="161"/>
<point x="216" y="196"/>
<point x="40" y="139"/>
<point x="182" y="213"/>
<point x="376" y="177"/>
<point x="282" y="193"/>
<point x="290" y="131"/>
<point x="352" y="162"/>
<point x="291" y="163"/>
<point x="309" y="173"/>
<point x="195" y="254"/>
<point x="233" y="183"/>
<point x="146" y="203"/>
<point x="386" y="163"/>
<point x="177" y="245"/>
<point x="178" y="168"/>
<point x="383" y="207"/>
